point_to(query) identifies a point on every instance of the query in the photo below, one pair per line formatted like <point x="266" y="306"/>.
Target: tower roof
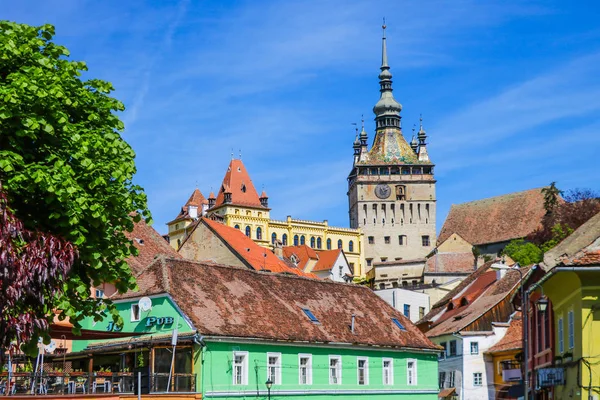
<point x="387" y="106"/>
<point x="238" y="183"/>
<point x="196" y="199"/>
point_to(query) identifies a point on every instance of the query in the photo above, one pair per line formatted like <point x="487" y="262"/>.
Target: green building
<point x="238" y="328"/>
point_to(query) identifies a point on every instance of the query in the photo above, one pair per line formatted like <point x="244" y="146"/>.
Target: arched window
<point x="284" y="239"/>
<point x="295" y="240"/>
<point x="248" y="231"/>
<point x="340" y="244"/>
<point x="302" y="240"/>
<point x="273" y="238"/>
<point x="312" y="242"/>
<point x="319" y="243"/>
<point x="178" y="243"/>
<point x="328" y="244"/>
<point x="237" y="227"/>
<point x="259" y="233"/>
<point x="351" y="246"/>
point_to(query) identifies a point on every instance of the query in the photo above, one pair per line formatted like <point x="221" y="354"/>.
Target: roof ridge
<point x="497" y="196"/>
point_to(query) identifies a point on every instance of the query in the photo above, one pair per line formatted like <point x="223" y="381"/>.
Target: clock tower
<point x="391" y="188"/>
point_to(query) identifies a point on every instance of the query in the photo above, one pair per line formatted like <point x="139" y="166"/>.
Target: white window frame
<point x="414" y="361"/>
<point x="244" y="366"/>
<point x="366" y="370"/>
<point x="308" y="369"/>
<point x="477" y="375"/>
<point x="277" y="366"/>
<point x="390" y="371"/>
<point x="139" y="316"/>
<point x="338" y="369"/>
<point x="571" y="328"/>
<point x="476" y="348"/>
<point x="99" y="293"/>
<point x="561" y="335"/>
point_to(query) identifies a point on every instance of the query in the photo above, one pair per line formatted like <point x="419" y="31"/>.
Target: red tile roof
<point x="303" y="253"/>
<point x="196" y="199"/>
<point x="451" y="262"/>
<point x="580" y="248"/>
<point x="150" y="244"/>
<point x="327" y="259"/>
<point x="256" y="256"/>
<point x="238" y="182"/>
<point x="513" y="339"/>
<point x="238" y="302"/>
<point x="496" y="219"/>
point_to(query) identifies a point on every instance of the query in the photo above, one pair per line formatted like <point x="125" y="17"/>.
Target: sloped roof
<point x="197" y="200"/>
<point x="450" y="262"/>
<point x="327" y="259"/>
<point x="513" y="339"/>
<point x="470" y="300"/>
<point x="238" y="183"/>
<point x="239" y="302"/>
<point x="303" y="252"/>
<point x="580" y="248"/>
<point x="496" y="219"/>
<point x="149" y="243"/>
<point x="256" y="256"/>
<point x="390" y="147"/>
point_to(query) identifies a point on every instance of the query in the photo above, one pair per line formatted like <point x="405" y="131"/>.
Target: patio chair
<point x="102" y="382"/>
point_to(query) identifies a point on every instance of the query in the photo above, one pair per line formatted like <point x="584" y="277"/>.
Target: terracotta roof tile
<point x="256" y="256"/>
<point x="513" y="339"/>
<point x="496" y="219"/>
<point x="303" y="253"/>
<point x="327" y="259"/>
<point x="238" y="182"/>
<point x="451" y="262"/>
<point x="149" y="243"/>
<point x="239" y="302"/>
<point x="197" y="200"/>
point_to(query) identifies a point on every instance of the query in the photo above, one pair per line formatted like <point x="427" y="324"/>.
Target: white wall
<point x="336" y="274"/>
<point x="397" y="298"/>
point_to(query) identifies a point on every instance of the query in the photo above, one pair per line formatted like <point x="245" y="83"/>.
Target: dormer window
<point x="310" y="315"/>
<point x="243" y="188"/>
<point x="463" y="302"/>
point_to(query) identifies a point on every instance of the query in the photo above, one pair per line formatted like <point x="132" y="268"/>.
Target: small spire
<point x="422" y="135"/>
<point x="362" y="121"/>
<point x="413" y="143"/>
<point x="384" y="61"/>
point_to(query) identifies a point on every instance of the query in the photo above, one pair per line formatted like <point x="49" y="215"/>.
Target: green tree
<point x="64" y="165"/>
<point x="525" y="253"/>
<point x="551" y="196"/>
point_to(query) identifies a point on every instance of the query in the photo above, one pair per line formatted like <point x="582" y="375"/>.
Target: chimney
<point x="278" y="249"/>
<point x="193" y="211"/>
<point x="352" y="326"/>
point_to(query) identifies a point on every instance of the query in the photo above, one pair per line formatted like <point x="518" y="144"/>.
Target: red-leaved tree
<point x="33" y="268"/>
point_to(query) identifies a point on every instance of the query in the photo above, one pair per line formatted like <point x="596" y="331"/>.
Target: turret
<point x="211" y="200"/>
<point x="264" y="199"/>
<point x="422" y="135"/>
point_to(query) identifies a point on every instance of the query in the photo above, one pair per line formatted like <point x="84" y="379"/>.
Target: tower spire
<point x="387" y="110"/>
<point x="422" y="135"/>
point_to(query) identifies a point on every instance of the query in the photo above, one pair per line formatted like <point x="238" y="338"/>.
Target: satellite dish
<point x="50" y="347"/>
<point x="145" y="304"/>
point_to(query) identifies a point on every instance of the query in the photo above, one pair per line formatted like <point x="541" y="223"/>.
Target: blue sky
<point x="509" y="91"/>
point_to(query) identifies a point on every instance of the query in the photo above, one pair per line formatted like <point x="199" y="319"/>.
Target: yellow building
<point x="573" y="286"/>
<point x="237" y="204"/>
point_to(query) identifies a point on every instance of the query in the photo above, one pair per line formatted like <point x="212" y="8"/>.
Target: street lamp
<point x="542" y="304"/>
<point x="269" y="383"/>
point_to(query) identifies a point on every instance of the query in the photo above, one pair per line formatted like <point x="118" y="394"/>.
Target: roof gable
<point x="238" y="302"/>
<point x="149" y="243"/>
<point x="513" y="338"/>
<point x="238" y="183"/>
<point x="582" y="247"/>
<point x="327" y="259"/>
<point x="450" y="263"/>
<point x="496" y="219"/>
<point x="302" y="253"/>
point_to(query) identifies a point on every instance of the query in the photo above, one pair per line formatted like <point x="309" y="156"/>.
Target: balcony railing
<point x="24" y="383"/>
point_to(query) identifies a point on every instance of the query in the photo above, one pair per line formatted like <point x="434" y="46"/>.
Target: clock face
<point x="383" y="191"/>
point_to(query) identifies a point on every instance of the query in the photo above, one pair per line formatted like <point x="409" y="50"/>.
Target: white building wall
<point x="338" y="272"/>
<point x="397" y="298"/>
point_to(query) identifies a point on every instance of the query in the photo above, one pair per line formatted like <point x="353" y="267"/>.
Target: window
<point x="388" y="371"/>
<point x="341" y="269"/>
<point x="402" y="240"/>
<point x="445" y="346"/>
<point x="398" y="324"/>
<point x="328" y="244"/>
<point x="411" y="372"/>
<point x="340" y="244"/>
<point x="319" y="243"/>
<point x="240" y="367"/>
<point x="474" y="347"/>
<point x="386" y="239"/>
<point x="335" y="370"/>
<point x="363" y="370"/>
<point x="273" y="238"/>
<point x="371" y="240"/>
<point x="295" y="240"/>
<point x="248" y="231"/>
<point x="407" y="310"/>
<point x="477" y="379"/>
<point x="302" y="240"/>
<point x="369" y="261"/>
<point x="284" y="239"/>
<point x="421" y="312"/>
<point x="571" y="328"/>
<point x="383" y="259"/>
<point x="425" y="241"/>
<point x="99" y="293"/>
<point x="351" y="246"/>
<point x="305" y="369"/>
<point x="442" y="379"/>
<point x="452" y="348"/>
<point x="274" y="368"/>
<point x="135" y="313"/>
<point x="382" y="286"/>
<point x="561" y="339"/>
<point x="310" y="315"/>
<point x="259" y="233"/>
<point x="237" y="227"/>
<point x="313" y="242"/>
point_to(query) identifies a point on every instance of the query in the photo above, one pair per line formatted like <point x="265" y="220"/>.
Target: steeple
<point x="422" y="135"/>
<point x="387" y="110"/>
<point x="363" y="134"/>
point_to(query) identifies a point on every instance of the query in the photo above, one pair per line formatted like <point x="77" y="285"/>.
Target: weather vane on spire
<point x="383" y="26"/>
<point x="232" y="153"/>
<point x="362" y="121"/>
<point x="240" y="154"/>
